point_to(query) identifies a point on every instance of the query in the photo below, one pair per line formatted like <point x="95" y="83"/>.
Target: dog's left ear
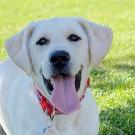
<point x="99" y="38"/>
<point x="18" y="48"/>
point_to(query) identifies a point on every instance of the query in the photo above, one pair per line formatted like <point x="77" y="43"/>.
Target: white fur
<point x="20" y="112"/>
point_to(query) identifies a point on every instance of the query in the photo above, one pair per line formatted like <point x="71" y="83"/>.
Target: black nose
<point x="59" y="59"/>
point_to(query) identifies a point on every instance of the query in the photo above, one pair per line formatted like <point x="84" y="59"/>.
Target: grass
<point x="113" y="82"/>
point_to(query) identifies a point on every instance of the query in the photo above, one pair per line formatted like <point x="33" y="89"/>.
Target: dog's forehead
<point x="59" y="24"/>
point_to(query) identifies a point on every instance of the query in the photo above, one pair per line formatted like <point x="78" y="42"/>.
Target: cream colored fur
<point x="20" y="112"/>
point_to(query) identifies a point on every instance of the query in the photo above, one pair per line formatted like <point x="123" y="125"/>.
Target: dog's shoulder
<point x="10" y="74"/>
<point x="9" y="68"/>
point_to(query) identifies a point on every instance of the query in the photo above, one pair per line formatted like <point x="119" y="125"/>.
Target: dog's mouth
<point x="63" y="90"/>
<point x="50" y="85"/>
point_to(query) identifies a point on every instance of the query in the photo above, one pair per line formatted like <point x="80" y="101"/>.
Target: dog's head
<point x="57" y="54"/>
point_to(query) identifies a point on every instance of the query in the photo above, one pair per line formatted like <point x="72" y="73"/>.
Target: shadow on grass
<point x="104" y="81"/>
<point x="118" y="121"/>
<point x="125" y="67"/>
<point x="109" y="78"/>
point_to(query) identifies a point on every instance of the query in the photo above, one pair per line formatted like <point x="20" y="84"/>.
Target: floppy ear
<point x="18" y="48"/>
<point x="99" y="38"/>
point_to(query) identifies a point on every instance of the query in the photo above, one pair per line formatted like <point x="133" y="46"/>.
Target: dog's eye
<point x="74" y="38"/>
<point x="42" y="41"/>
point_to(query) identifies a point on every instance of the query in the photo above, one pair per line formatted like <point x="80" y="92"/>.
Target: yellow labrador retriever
<point x="44" y="82"/>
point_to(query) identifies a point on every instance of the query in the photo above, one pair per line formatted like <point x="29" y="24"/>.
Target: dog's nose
<point x="59" y="58"/>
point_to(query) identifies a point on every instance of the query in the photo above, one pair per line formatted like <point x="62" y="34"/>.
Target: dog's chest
<point x="68" y="126"/>
<point x="69" y="130"/>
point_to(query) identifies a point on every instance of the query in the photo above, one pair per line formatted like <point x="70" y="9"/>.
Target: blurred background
<point x="113" y="82"/>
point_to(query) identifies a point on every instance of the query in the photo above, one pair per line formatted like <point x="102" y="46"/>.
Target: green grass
<point x="113" y="82"/>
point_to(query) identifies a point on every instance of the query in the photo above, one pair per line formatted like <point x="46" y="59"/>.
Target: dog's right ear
<point x="18" y="48"/>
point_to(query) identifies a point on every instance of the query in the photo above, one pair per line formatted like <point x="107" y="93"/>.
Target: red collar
<point x="47" y="106"/>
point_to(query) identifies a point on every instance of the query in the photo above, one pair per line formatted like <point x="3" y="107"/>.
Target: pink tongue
<point x="64" y="96"/>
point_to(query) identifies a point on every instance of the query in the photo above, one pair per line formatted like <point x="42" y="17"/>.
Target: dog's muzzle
<point x="62" y="85"/>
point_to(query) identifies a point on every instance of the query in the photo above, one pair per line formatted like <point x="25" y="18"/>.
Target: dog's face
<point x="57" y="54"/>
<point x="59" y="47"/>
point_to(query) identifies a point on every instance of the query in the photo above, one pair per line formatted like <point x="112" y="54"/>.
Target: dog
<point x="44" y="82"/>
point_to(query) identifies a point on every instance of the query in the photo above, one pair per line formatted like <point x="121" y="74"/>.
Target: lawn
<point x="113" y="82"/>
